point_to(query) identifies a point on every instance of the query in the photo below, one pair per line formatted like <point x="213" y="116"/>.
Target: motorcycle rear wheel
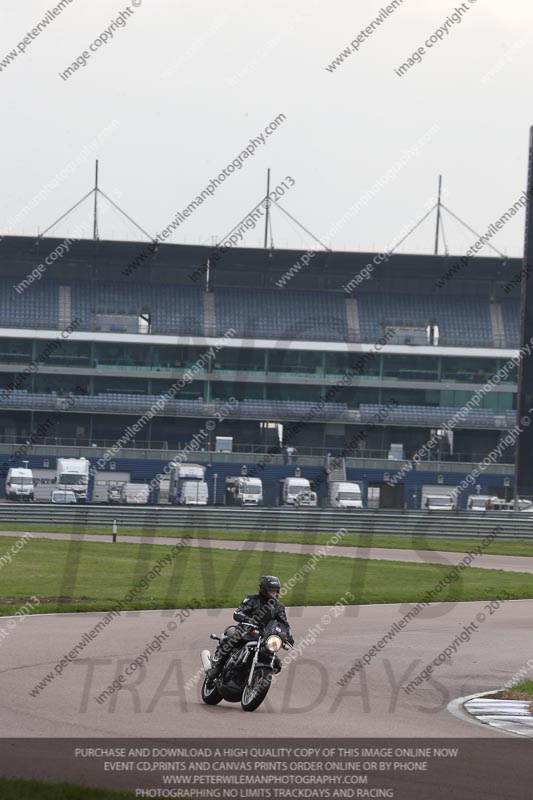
<point x="253" y="695"/>
<point x="210" y="693"/>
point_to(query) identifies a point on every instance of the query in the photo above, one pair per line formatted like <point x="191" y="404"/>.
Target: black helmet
<point x="269" y="583"/>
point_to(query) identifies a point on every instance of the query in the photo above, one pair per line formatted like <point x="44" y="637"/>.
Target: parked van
<point x="19" y="484"/>
<point x="343" y="494"/>
<point x="65" y="496"/>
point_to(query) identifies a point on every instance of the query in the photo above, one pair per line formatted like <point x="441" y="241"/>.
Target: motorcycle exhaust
<point x="205" y="655"/>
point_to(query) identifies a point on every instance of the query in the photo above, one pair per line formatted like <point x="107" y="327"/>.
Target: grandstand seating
<point x="174" y="310"/>
<point x="36" y="306"/>
<point x="269" y="314"/>
<point x="511" y="418"/>
<point x="461" y="320"/>
<point x="136" y="404"/>
<point x="511" y="322"/>
<point x="282" y="314"/>
<point x="296" y="409"/>
<point x="115" y="402"/>
<point x="429" y="415"/>
<point x="21" y="398"/>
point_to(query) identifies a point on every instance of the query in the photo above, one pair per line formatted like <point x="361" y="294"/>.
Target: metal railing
<point x="248" y="449"/>
<point x="497" y="341"/>
<point x="507" y="525"/>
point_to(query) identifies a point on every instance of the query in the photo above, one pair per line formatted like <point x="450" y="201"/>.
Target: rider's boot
<point x="217" y="662"/>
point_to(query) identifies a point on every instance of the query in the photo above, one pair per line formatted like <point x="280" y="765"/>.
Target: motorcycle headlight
<point x="273" y="643"/>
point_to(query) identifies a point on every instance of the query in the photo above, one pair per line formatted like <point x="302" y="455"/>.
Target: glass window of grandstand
<point x="121" y="354"/>
<point x="236" y="359"/>
<point x="18" y="351"/>
<point x="410" y="367"/>
<point x="471" y="370"/>
<point x="498" y="402"/>
<point x="195" y="390"/>
<point x="413" y="397"/>
<point x="59" y="384"/>
<point x="281" y="391"/>
<point x="362" y="365"/>
<point x="354" y="396"/>
<point x="64" y="353"/>
<point x="295" y="362"/>
<point x="223" y="390"/>
<point x="512" y="374"/>
<point x="188" y="356"/>
<point x="120" y="385"/>
<point x="16" y="380"/>
<point x="177" y="358"/>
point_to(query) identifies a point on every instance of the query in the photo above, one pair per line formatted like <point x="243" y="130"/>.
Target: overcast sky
<point x="180" y="90"/>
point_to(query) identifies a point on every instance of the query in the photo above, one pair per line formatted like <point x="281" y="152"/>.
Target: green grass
<point x="525" y="686"/>
<point x="14" y="789"/>
<point x="452" y="545"/>
<point x="522" y="691"/>
<point x="90" y="576"/>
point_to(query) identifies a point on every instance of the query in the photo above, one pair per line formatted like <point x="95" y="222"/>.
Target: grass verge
<point x="451" y="545"/>
<point x="15" y="789"/>
<point x="92" y="576"/>
<point x="522" y="691"/>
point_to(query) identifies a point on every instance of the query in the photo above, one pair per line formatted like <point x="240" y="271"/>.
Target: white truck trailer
<point x="73" y="473"/>
<point x="187" y="485"/>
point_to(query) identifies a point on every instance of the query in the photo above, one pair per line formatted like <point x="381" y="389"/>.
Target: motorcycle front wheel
<point x="253" y="695"/>
<point x="210" y="693"/>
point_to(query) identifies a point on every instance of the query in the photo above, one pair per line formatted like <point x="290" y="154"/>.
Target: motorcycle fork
<point x="252" y="668"/>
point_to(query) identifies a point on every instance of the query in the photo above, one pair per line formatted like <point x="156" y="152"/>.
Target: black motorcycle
<point x="248" y="671"/>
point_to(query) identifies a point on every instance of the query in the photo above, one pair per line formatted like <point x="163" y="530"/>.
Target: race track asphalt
<point x="154" y="701"/>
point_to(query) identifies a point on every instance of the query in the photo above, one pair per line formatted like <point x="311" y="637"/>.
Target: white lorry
<point x="437" y="498"/>
<point x="135" y="493"/>
<point x="244" y="491"/>
<point x="297" y="492"/>
<point x="73" y="473"/>
<point x="344" y="494"/>
<point x="187" y="485"/>
<point x="19" y="483"/>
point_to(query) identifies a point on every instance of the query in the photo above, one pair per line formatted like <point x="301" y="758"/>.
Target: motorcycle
<point x="248" y="671"/>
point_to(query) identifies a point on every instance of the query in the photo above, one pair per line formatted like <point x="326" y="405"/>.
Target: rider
<point x="260" y="608"/>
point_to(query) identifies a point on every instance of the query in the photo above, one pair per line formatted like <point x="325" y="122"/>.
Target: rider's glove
<point x="290" y="639"/>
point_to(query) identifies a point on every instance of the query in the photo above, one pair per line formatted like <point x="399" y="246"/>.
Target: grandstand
<point x="397" y="335"/>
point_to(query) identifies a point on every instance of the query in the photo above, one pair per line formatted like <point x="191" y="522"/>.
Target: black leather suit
<point x="254" y="608"/>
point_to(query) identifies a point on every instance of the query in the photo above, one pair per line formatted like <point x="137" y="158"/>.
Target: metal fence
<point x="507" y="524"/>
